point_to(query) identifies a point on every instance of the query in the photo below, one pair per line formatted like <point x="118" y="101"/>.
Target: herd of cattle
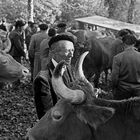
<point x="79" y="115"/>
<point x="102" y="49"/>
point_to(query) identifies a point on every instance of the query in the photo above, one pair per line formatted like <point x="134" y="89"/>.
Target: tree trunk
<point x="122" y="10"/>
<point x="131" y="11"/>
<point x="30" y="10"/>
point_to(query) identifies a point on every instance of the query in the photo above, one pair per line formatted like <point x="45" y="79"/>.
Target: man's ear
<point x="95" y="115"/>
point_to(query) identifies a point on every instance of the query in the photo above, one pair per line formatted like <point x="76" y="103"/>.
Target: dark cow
<point x="82" y="38"/>
<point x="101" y="53"/>
<point x="100" y="57"/>
<point x="10" y="69"/>
<point x="80" y="116"/>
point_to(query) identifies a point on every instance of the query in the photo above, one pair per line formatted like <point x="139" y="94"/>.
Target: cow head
<point x="70" y="122"/>
<point x="73" y="117"/>
<point x="10" y="69"/>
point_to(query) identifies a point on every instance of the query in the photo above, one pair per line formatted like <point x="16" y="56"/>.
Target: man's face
<point x="64" y="51"/>
<point x="20" y="29"/>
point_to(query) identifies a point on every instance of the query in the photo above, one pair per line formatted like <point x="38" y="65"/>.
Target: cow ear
<point x="95" y="115"/>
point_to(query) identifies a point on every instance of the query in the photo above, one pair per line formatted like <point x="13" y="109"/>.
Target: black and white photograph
<point x="69" y="69"/>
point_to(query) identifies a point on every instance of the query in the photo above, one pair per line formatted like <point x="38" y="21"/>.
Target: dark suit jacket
<point x="126" y="70"/>
<point x="17" y="44"/>
<point x="44" y="94"/>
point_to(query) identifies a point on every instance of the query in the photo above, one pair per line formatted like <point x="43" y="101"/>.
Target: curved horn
<point x="79" y="74"/>
<point x="78" y="67"/>
<point x="75" y="96"/>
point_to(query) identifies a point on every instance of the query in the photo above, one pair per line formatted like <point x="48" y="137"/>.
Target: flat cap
<point x="20" y="23"/>
<point x="59" y="38"/>
<point x="61" y="25"/>
<point x="43" y="26"/>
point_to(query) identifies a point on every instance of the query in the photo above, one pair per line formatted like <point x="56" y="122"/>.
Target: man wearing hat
<point x="17" y="41"/>
<point x="126" y="70"/>
<point x="17" y="44"/>
<point x="62" y="29"/>
<point x="62" y="48"/>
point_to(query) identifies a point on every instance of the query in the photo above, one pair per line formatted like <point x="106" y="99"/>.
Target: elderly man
<point x="126" y="70"/>
<point x="62" y="48"/>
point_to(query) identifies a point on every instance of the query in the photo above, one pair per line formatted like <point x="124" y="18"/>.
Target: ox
<point x="101" y="52"/>
<point x="82" y="38"/>
<point x="80" y="116"/>
<point x="100" y="57"/>
<point x="10" y="69"/>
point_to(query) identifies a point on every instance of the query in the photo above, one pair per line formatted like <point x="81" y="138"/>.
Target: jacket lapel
<point x="67" y="77"/>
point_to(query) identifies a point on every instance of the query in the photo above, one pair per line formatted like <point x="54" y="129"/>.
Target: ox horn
<point x="79" y="74"/>
<point x="75" y="96"/>
<point x="79" y="67"/>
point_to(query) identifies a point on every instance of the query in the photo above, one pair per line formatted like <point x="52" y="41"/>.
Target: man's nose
<point x="71" y="53"/>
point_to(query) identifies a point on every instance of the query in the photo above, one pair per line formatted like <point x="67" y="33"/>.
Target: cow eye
<point x="57" y="115"/>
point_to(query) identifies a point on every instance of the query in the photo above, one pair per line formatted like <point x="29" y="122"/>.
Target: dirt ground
<point x="17" y="112"/>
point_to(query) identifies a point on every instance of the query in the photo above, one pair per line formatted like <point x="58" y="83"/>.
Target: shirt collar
<point x="54" y="62"/>
<point x="130" y="48"/>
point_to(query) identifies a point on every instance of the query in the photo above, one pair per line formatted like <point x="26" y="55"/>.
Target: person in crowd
<point x="118" y="45"/>
<point x="62" y="29"/>
<point x="17" y="41"/>
<point x="29" y="31"/>
<point x="126" y="70"/>
<point x="34" y="47"/>
<point x="62" y="48"/>
<point x="3" y="24"/>
<point x="17" y="44"/>
<point x="44" y="49"/>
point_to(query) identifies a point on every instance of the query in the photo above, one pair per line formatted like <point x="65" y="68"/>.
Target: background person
<point x="17" y="41"/>
<point x="34" y="47"/>
<point x="126" y="70"/>
<point x="44" y="49"/>
<point x="17" y="45"/>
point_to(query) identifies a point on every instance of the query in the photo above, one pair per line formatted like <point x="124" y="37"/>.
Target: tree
<point x="79" y="8"/>
<point x="30" y="10"/>
<point x="121" y="9"/>
<point x="13" y="9"/>
<point x="39" y="10"/>
<point x="131" y="11"/>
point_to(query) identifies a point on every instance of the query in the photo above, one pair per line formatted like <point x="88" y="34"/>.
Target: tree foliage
<point x="14" y="9"/>
<point x="79" y="8"/>
<point x="66" y="10"/>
